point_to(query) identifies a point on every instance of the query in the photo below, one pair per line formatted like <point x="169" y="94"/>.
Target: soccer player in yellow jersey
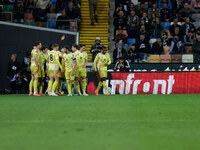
<point x="81" y="72"/>
<point x="101" y="62"/>
<point x="70" y="67"/>
<point x="42" y="58"/>
<point x="35" y="70"/>
<point x="54" y="65"/>
<point x="77" y="53"/>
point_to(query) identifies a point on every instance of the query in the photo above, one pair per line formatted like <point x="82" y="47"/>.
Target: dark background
<point x="19" y="40"/>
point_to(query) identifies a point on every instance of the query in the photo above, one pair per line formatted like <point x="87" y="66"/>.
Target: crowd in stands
<point x="40" y="12"/>
<point x="143" y="27"/>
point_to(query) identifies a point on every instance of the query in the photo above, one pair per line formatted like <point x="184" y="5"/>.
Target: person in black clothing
<point x="63" y="21"/>
<point x="133" y="31"/>
<point x="165" y="13"/>
<point x="120" y="22"/>
<point x="19" y="12"/>
<point x="72" y="13"/>
<point x="122" y="65"/>
<point x="132" y="55"/>
<point x="185" y="12"/>
<point x="29" y="6"/>
<point x="143" y="47"/>
<point x="157" y="47"/>
<point x="119" y="52"/>
<point x="14" y="69"/>
<point x="187" y="26"/>
<point x="172" y="27"/>
<point x="96" y="48"/>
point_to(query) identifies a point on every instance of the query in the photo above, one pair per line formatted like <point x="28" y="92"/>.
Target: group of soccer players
<point x="62" y="64"/>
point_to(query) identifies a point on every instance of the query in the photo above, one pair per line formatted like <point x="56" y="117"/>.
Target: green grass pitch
<point x="116" y="122"/>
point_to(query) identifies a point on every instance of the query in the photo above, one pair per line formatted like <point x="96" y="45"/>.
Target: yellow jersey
<point x="34" y="52"/>
<point x="101" y="60"/>
<point x="53" y="58"/>
<point x="77" y="55"/>
<point x="69" y="61"/>
<point x="82" y="58"/>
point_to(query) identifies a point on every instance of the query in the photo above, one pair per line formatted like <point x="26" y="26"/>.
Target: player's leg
<point x="31" y="82"/>
<point x="83" y="81"/>
<point x="35" y="83"/>
<point x="104" y="76"/>
<point x="50" y="84"/>
<point x="77" y="74"/>
<point x="41" y="81"/>
<point x="55" y="84"/>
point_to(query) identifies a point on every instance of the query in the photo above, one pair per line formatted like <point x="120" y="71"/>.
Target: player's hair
<point x="44" y="47"/>
<point x="104" y="48"/>
<point x="55" y="45"/>
<point x="51" y="46"/>
<point x="75" y="45"/>
<point x="82" y="45"/>
<point x="67" y="47"/>
<point x="37" y="43"/>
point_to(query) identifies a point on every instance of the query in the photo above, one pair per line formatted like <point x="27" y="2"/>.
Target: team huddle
<point x="60" y="65"/>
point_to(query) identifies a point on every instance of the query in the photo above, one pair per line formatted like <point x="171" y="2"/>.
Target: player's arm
<point x="109" y="60"/>
<point x="95" y="62"/>
<point x="36" y="59"/>
<point x="74" y="68"/>
<point x="58" y="62"/>
<point x="86" y="61"/>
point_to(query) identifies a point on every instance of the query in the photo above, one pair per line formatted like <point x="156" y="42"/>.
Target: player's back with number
<point x="53" y="58"/>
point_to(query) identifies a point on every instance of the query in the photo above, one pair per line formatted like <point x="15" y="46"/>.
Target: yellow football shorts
<point x="34" y="71"/>
<point x="55" y="73"/>
<point x="68" y="75"/>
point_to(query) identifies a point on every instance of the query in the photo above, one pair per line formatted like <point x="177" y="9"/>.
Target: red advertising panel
<point x="150" y="83"/>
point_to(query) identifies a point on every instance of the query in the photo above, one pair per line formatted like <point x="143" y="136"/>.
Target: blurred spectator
<point x="141" y="10"/>
<point x="63" y="21"/>
<point x="26" y="64"/>
<point x="188" y="38"/>
<point x="19" y="12"/>
<point x="133" y="31"/>
<point x="60" y="5"/>
<point x="196" y="46"/>
<point x="133" y="18"/>
<point x="132" y="55"/>
<point x="120" y="22"/>
<point x="176" y="47"/>
<point x="30" y="6"/>
<point x="96" y="48"/>
<point x="143" y="48"/>
<point x="43" y="4"/>
<point x="122" y="65"/>
<point x="145" y="18"/>
<point x="144" y="32"/>
<point x="165" y="13"/>
<point x="157" y="47"/>
<point x="195" y="6"/>
<point x="117" y="10"/>
<point x="142" y="22"/>
<point x="156" y="28"/>
<point x="197" y="33"/>
<point x="72" y="12"/>
<point x="185" y="13"/>
<point x="131" y="7"/>
<point x="14" y="68"/>
<point x="187" y="26"/>
<point x="173" y="26"/>
<point x="119" y="52"/>
<point x="93" y="8"/>
<point x="39" y="14"/>
<point x="177" y="33"/>
<point x="161" y="2"/>
<point x="153" y="10"/>
<point x="121" y="36"/>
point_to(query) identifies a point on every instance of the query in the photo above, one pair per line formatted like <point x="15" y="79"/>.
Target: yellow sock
<point x="78" y="87"/>
<point x="35" y="84"/>
<point x="99" y="86"/>
<point x="60" y="85"/>
<point x="31" y="86"/>
<point x="40" y="88"/>
<point x="69" y="86"/>
<point x="50" y="86"/>
<point x="105" y="86"/>
<point x="84" y="85"/>
<point x="55" y="84"/>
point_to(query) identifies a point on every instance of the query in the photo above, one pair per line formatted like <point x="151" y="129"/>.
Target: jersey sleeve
<point x="95" y="62"/>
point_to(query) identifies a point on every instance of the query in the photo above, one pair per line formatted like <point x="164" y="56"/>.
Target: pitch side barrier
<point x="148" y="83"/>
